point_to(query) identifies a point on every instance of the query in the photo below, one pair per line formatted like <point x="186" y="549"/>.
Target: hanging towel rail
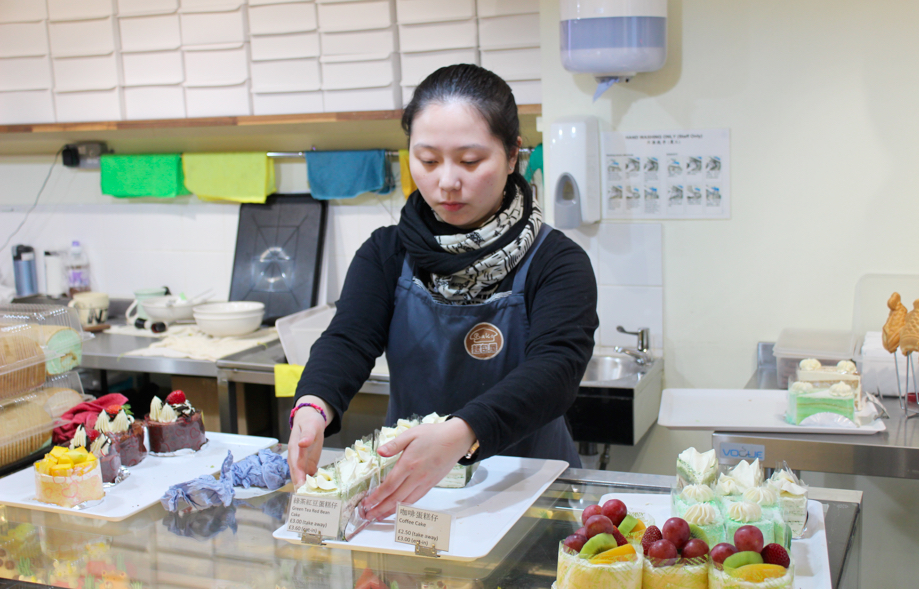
<point x="392" y="153"/>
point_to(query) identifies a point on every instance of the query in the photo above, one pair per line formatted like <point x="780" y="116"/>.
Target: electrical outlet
<point x="85" y="154"/>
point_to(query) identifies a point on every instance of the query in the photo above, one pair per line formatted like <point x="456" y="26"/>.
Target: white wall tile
<point x="629" y="254"/>
<point x="631" y="307"/>
<point x="204" y="230"/>
<point x="586" y="237"/>
<point x="204" y="270"/>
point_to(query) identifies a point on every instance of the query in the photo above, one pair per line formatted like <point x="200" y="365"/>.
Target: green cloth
<point x="535" y="163"/>
<point x="126" y="176"/>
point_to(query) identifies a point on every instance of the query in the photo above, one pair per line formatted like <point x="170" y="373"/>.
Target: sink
<point x="607" y="368"/>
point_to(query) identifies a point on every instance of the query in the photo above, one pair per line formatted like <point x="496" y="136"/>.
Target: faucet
<point x="641" y="354"/>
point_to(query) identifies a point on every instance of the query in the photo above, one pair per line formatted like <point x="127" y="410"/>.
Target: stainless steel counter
<point x="894" y="453"/>
<point x="233" y="547"/>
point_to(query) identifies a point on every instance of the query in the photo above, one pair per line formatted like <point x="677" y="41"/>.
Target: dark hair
<point x="481" y="88"/>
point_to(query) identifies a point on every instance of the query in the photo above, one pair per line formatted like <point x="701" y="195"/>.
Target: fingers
<point x="302" y="456"/>
<point x="398" y="444"/>
<point x="406" y="493"/>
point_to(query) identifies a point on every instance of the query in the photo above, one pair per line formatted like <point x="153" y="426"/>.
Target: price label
<point x="314" y="515"/>
<point x="429" y="529"/>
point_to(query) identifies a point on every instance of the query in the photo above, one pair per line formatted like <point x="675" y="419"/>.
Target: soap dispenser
<point x="574" y="171"/>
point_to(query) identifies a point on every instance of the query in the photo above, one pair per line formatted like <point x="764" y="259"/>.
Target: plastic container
<point x="795" y="345"/>
<point x="36" y="341"/>
<point x="298" y="332"/>
<point x="77" y="269"/>
<point x="27" y="420"/>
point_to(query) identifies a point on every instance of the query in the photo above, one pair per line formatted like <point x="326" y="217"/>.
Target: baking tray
<point x="500" y="492"/>
<point x="740" y="410"/>
<point x="810" y="553"/>
<point x="148" y="482"/>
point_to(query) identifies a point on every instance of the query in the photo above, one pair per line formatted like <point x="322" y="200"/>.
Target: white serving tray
<point x="500" y="492"/>
<point x="810" y="553"/>
<point x="740" y="410"/>
<point x="148" y="482"/>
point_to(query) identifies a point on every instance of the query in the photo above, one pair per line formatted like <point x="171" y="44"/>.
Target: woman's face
<point x="459" y="166"/>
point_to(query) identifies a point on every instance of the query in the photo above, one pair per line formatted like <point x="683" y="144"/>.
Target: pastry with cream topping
<point x="68" y="477"/>
<point x="697" y="468"/>
<point x="810" y="370"/>
<point x="792" y="499"/>
<point x="745" y="513"/>
<point x="806" y="399"/>
<point x="683" y="498"/>
<point x="101" y="447"/>
<point x="174" y="425"/>
<point x="708" y="518"/>
<point x="126" y="433"/>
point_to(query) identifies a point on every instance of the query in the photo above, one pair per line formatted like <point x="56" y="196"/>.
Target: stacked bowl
<point x="228" y="319"/>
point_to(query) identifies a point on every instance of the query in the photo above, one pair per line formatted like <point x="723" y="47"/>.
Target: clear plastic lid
<point x="37" y="341"/>
<point x="815" y="343"/>
<point x="26" y="421"/>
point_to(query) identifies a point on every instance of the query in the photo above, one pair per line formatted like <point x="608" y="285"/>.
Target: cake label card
<point x="422" y="527"/>
<point x="314" y="515"/>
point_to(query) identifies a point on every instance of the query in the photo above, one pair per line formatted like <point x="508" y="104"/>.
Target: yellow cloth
<point x="237" y="177"/>
<point x="286" y="377"/>
<point x="408" y="183"/>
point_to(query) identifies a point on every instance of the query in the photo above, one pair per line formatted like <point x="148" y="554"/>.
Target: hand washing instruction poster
<point x="666" y="174"/>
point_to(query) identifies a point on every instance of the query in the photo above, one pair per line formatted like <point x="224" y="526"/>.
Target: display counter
<point x="233" y="547"/>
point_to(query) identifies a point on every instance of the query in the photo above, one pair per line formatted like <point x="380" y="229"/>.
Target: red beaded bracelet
<point x="314" y="406"/>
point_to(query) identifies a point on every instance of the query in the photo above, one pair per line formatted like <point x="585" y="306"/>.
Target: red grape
<point x="575" y="542"/>
<point x="582" y="531"/>
<point x="748" y="538"/>
<point x="615" y="510"/>
<point x="591" y="511"/>
<point x="598" y="524"/>
<point x="677" y="531"/>
<point x="663" y="553"/>
<point x="722" y="551"/>
<point x="695" y="548"/>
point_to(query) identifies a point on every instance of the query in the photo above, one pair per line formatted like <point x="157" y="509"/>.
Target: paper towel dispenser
<point x="574" y="171"/>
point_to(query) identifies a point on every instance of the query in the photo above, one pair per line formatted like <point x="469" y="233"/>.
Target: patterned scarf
<point x="478" y="282"/>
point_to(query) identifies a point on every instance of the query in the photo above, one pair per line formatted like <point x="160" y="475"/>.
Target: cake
<point x="68" y="477"/>
<point x="792" y="499"/>
<point x="749" y="564"/>
<point x="806" y="400"/>
<point x="812" y="371"/>
<point x="745" y="513"/>
<point x="707" y="518"/>
<point x="723" y="579"/>
<point x="458" y="477"/>
<point x="685" y="574"/>
<point x="598" y="572"/>
<point x="100" y="446"/>
<point x="174" y="425"/>
<point x="126" y="433"/>
<point x="682" y="499"/>
<point x="697" y="468"/>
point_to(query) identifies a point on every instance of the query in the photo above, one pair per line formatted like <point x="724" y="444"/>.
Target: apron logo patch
<point x="484" y="341"/>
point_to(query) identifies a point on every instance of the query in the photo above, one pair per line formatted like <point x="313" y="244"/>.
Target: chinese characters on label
<point x="666" y="175"/>
<point x="429" y="529"/>
<point x="314" y="515"/>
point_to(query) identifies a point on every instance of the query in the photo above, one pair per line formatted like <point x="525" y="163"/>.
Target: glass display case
<point x="233" y="547"/>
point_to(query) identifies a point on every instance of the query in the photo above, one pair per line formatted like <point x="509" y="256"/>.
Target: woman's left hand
<point x="429" y="451"/>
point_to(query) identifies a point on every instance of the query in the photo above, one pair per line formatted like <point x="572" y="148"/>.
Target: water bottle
<point x="24" y="270"/>
<point x="77" y="270"/>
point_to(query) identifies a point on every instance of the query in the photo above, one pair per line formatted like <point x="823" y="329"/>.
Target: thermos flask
<point x="24" y="270"/>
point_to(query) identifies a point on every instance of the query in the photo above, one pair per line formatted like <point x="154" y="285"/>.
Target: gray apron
<point x="441" y="357"/>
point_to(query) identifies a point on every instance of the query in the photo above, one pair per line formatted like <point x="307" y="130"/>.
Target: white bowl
<point x="168" y="308"/>
<point x="227" y="326"/>
<point x="231" y="309"/>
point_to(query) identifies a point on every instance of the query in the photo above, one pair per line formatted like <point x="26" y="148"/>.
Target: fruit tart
<point x="126" y="433"/>
<point x="174" y="425"/>
<point x="748" y="564"/>
<point x="68" y="477"/>
<point x="676" y="556"/>
<point x="99" y="446"/>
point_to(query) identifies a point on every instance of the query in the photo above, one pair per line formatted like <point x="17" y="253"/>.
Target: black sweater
<point x="561" y="304"/>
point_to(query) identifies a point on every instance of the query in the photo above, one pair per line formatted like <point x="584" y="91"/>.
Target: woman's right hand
<point x="306" y="437"/>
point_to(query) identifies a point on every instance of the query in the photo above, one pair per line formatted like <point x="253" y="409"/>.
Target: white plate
<point x="148" y="482"/>
<point x="501" y="491"/>
<point x="740" y="410"/>
<point x="810" y="553"/>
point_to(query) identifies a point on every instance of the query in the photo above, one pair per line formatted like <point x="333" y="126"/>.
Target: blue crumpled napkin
<point x="204" y="524"/>
<point x="203" y="491"/>
<point x="265" y="469"/>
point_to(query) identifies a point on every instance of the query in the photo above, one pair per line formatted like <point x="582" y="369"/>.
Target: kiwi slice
<point x="627" y="525"/>
<point x="697" y="532"/>
<point x="599" y="543"/>
<point x="740" y="559"/>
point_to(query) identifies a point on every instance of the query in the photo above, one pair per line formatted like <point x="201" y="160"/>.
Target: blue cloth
<point x="204" y="491"/>
<point x="265" y="469"/>
<point x="202" y="525"/>
<point x="346" y="174"/>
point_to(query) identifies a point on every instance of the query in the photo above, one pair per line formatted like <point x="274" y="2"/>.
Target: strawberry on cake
<point x="126" y="433"/>
<point x="174" y="425"/>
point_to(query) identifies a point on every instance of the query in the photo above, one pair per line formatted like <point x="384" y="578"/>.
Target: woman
<point x="484" y="312"/>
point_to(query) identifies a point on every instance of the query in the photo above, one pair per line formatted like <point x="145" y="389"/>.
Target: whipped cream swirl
<point x="764" y="495"/>
<point x="727" y="485"/>
<point x="810" y="364"/>
<point x="697" y="493"/>
<point x="701" y="514"/>
<point x="744" y="511"/>
<point x="841" y="390"/>
<point x="846" y="367"/>
<point x="801" y="387"/>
